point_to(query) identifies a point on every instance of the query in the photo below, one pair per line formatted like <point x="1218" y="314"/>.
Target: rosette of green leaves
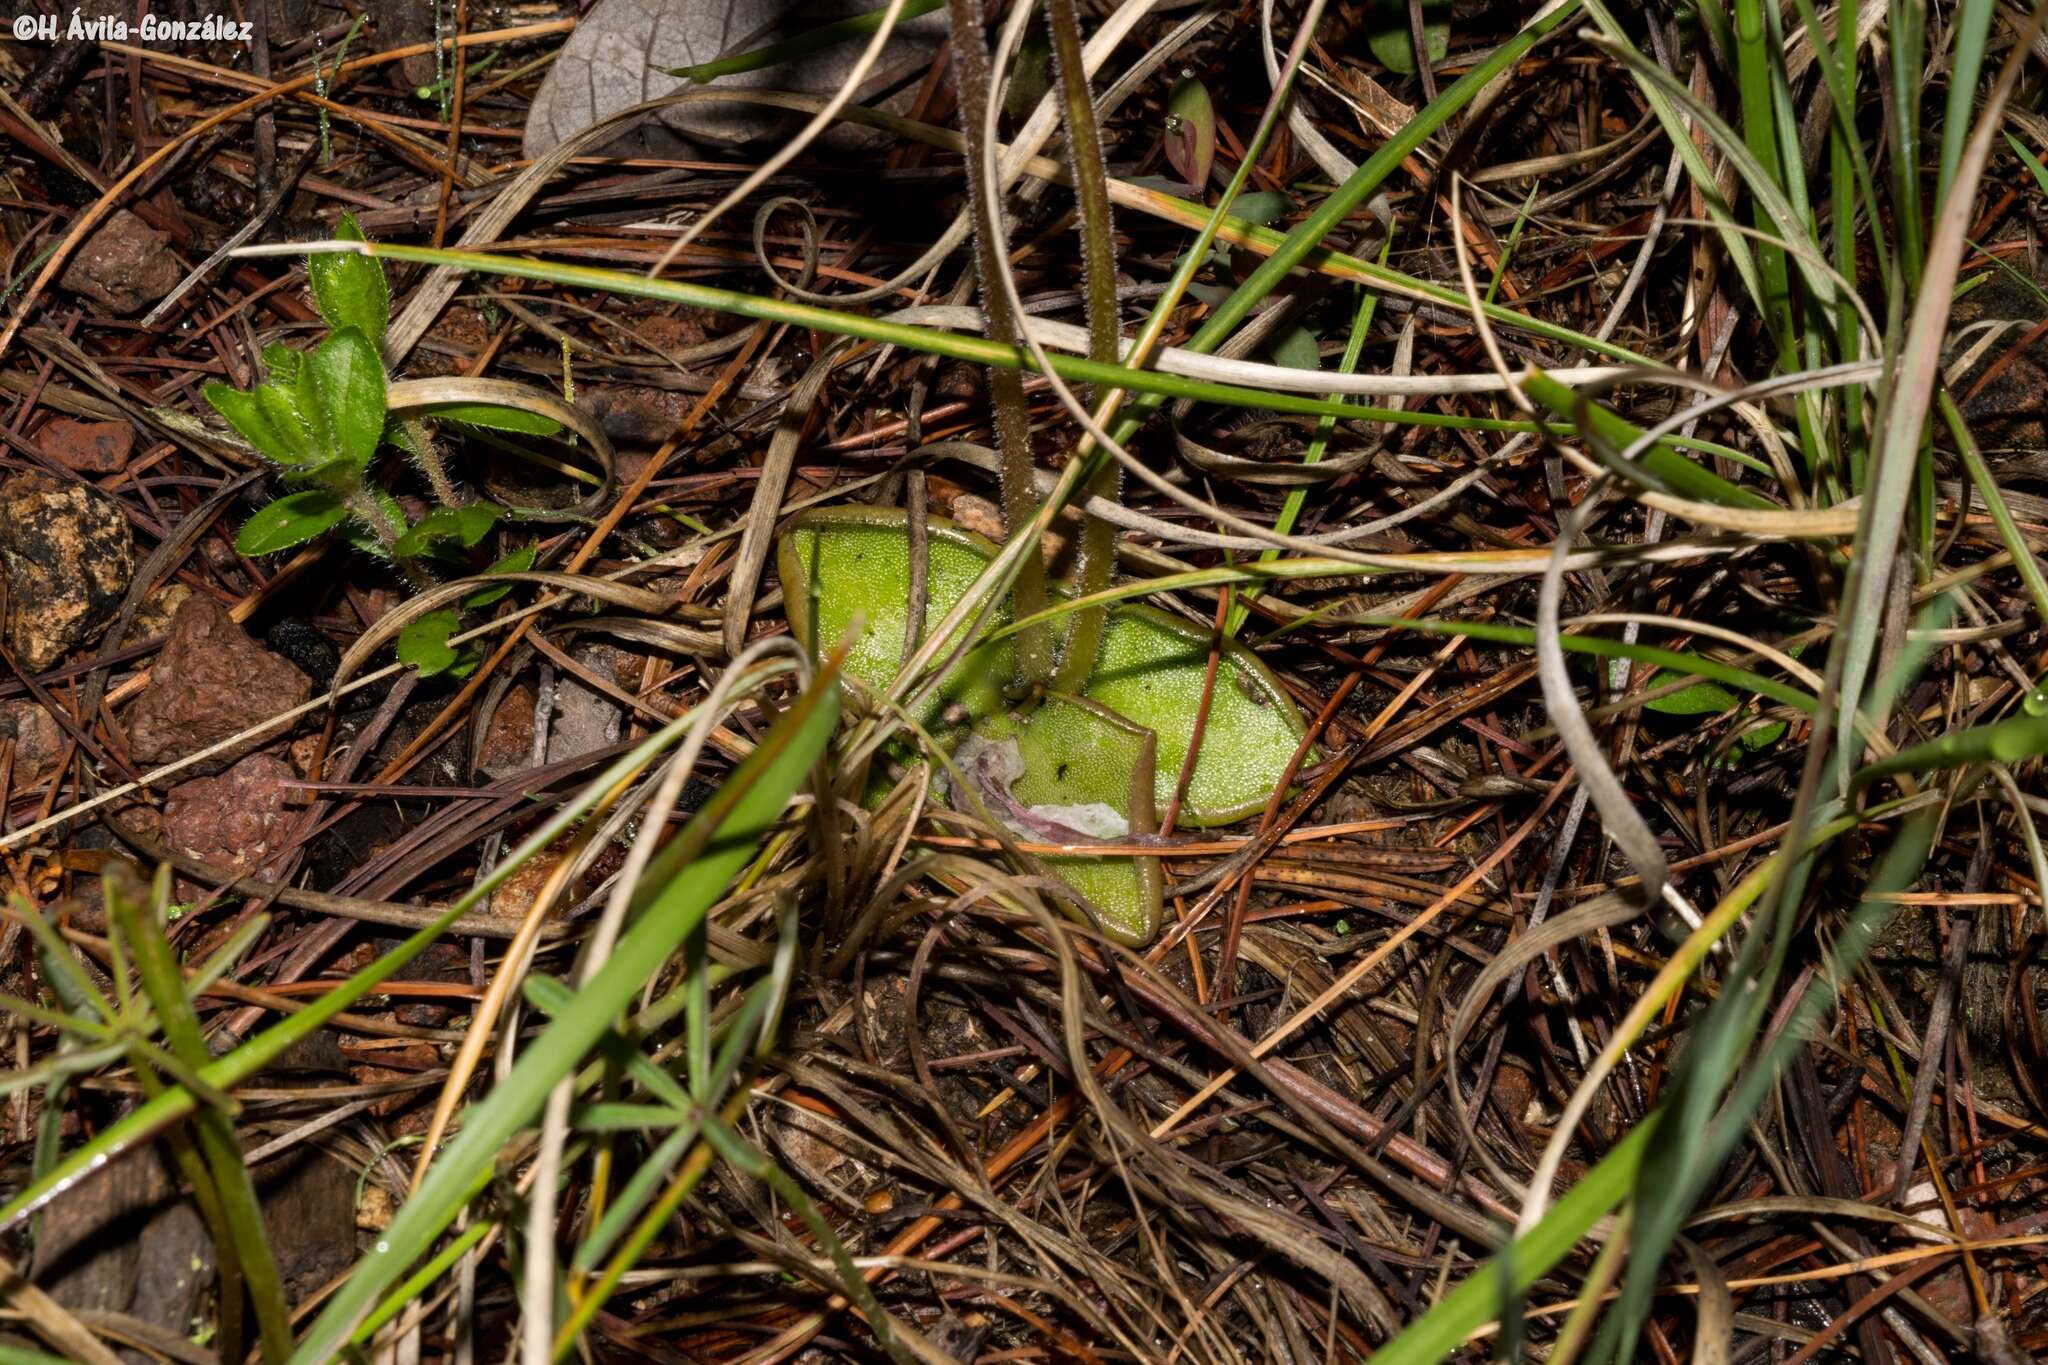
<point x="320" y="415"/>
<point x="320" y="418"/>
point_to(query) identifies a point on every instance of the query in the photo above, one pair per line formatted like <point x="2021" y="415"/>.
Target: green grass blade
<point x="1509" y="1276"/>
<point x="717" y="843"/>
<point x="1662" y="461"/>
<point x="803" y="44"/>
<point x="2014" y="740"/>
<point x="259" y="1052"/>
<point x="138" y="917"/>
<point x="1675" y="1173"/>
<point x="930" y="341"/>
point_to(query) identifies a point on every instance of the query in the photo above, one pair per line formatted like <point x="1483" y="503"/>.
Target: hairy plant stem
<point x="426" y="457"/>
<point x="1098" y="273"/>
<point x="1006" y="386"/>
<point x="365" y="508"/>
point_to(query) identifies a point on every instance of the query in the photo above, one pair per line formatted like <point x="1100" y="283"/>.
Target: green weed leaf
<point x="449" y="528"/>
<point x="257" y="422"/>
<point x="519" y="561"/>
<point x="347" y="380"/>
<point x="349" y="289"/>
<point x="1296" y="348"/>
<point x="1191" y="131"/>
<point x="1392" y="40"/>
<point x="283" y="363"/>
<point x="495" y="417"/>
<point x="1700" y="698"/>
<point x="292" y="520"/>
<point x="424" y="643"/>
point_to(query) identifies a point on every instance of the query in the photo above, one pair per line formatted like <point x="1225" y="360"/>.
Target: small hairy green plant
<point x="322" y="415"/>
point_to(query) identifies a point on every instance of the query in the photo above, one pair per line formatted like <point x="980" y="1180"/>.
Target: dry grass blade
<point x="1908" y="398"/>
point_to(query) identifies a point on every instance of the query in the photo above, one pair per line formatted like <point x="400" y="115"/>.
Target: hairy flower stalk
<point x="1006" y="386"/>
<point x="1098" y="278"/>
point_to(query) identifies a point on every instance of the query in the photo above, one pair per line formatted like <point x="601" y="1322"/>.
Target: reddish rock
<point x="507" y="745"/>
<point x="123" y="266"/>
<point x="209" y="683"/>
<point x="38" y="739"/>
<point x="87" y="447"/>
<point x="635" y="414"/>
<point x="67" y="557"/>
<point x="238" y="821"/>
<point x="670" y="334"/>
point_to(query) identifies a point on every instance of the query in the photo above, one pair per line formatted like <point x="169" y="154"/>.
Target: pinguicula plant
<point x="1077" y="737"/>
<point x="322" y="416"/>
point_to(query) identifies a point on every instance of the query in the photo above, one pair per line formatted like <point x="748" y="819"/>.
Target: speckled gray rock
<point x="66" y="556"/>
<point x="621" y="52"/>
<point x="209" y="683"/>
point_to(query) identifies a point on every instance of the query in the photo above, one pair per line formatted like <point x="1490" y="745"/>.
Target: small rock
<point x="959" y="382"/>
<point x="516" y="895"/>
<point x="153" y="621"/>
<point x="124" y="266"/>
<point x="304" y="751"/>
<point x="979" y="515"/>
<point x="507" y="745"/>
<point x="634" y="414"/>
<point x="67" y="555"/>
<point x="210" y="683"/>
<point x="669" y="334"/>
<point x="584" y="719"/>
<point x="87" y="447"/>
<point x="307" y="647"/>
<point x="983" y="517"/>
<point x="374" y="1213"/>
<point x="38" y="739"/>
<point x="238" y="821"/>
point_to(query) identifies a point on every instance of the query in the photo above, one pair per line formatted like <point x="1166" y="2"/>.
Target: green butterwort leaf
<point x="494" y="416"/>
<point x="424" y="643"/>
<point x="346" y="376"/>
<point x="1700" y="698"/>
<point x="292" y="520"/>
<point x="1392" y="40"/>
<point x="519" y="561"/>
<point x="844" y="562"/>
<point x="449" y="526"/>
<point x="350" y="290"/>
<point x="1191" y="131"/>
<point x="839" y="563"/>
<point x="1296" y="348"/>
<point x="1152" y="669"/>
<point x="1083" y="770"/>
<point x="256" y="423"/>
<point x="1261" y="208"/>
